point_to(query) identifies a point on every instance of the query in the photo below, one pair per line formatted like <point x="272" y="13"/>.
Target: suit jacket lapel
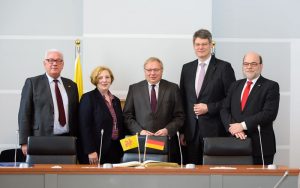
<point x="238" y="97"/>
<point x="193" y="73"/>
<point x="254" y="90"/>
<point x="161" y="93"/>
<point x="101" y="102"/>
<point x="144" y="94"/>
<point x="47" y="88"/>
<point x="209" y="73"/>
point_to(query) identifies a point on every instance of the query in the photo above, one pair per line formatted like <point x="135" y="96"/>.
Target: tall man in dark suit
<point x="251" y="102"/>
<point x="39" y="110"/>
<point x="162" y="119"/>
<point x="204" y="83"/>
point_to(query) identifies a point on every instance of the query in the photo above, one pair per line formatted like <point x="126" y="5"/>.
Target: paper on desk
<point x="222" y="168"/>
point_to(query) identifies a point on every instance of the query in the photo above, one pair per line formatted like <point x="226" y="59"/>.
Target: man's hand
<point x="200" y="109"/>
<point x="235" y="128"/>
<point x="241" y="135"/>
<point x="93" y="158"/>
<point x="24" y="149"/>
<point x="161" y="132"/>
<point x="182" y="140"/>
<point x="145" y="132"/>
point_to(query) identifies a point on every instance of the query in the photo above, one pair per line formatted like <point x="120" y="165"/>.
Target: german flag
<point x="155" y="143"/>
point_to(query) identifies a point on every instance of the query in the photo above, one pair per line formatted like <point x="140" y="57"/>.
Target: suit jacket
<point x="94" y="116"/>
<point x="261" y="109"/>
<point x="219" y="75"/>
<point x="36" y="113"/>
<point x="138" y="114"/>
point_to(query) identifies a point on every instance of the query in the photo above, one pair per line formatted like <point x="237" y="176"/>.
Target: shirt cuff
<point x="244" y="125"/>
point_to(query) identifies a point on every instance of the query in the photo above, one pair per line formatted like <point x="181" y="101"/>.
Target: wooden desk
<point x="85" y="176"/>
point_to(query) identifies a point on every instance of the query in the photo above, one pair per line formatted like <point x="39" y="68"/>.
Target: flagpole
<point x="78" y="69"/>
<point x="145" y="148"/>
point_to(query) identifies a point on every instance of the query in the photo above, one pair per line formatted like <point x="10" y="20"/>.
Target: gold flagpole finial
<point x="77" y="42"/>
<point x="214" y="47"/>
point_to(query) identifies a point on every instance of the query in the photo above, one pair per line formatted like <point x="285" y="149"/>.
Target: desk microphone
<point x="100" y="150"/>
<point x="261" y="149"/>
<point x="16" y="148"/>
<point x="281" y="179"/>
<point x="181" y="159"/>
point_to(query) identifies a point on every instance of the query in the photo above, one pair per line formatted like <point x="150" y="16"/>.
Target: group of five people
<point x="208" y="103"/>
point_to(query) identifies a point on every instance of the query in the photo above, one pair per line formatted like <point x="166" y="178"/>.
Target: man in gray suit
<point x="40" y="114"/>
<point x="162" y="119"/>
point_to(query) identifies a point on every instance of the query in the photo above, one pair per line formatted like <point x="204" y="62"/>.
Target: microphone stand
<point x="261" y="149"/>
<point x="100" y="149"/>
<point x="145" y="148"/>
<point x="17" y="142"/>
<point x="181" y="159"/>
<point x="281" y="179"/>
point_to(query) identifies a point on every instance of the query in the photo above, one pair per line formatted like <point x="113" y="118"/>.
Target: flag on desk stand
<point x="78" y="70"/>
<point x="154" y="143"/>
<point x="131" y="142"/>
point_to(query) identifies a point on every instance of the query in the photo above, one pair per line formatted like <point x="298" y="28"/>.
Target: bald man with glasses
<point x="252" y="102"/>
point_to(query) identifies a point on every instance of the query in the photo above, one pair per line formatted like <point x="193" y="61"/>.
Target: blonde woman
<point x="100" y="109"/>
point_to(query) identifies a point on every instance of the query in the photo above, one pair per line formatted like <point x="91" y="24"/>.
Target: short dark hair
<point x="203" y="34"/>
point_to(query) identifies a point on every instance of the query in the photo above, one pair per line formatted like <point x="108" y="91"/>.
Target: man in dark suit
<point x="40" y="114"/>
<point x="204" y="83"/>
<point x="146" y="118"/>
<point x="251" y="102"/>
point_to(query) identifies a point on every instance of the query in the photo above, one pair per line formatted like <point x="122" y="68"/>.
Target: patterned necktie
<point x="246" y="94"/>
<point x="153" y="99"/>
<point x="200" y="78"/>
<point x="60" y="105"/>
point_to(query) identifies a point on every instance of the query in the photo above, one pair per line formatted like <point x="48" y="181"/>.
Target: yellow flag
<point x="78" y="76"/>
<point x="129" y="142"/>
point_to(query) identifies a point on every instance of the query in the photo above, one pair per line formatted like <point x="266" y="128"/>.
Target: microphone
<point x="17" y="142"/>
<point x="100" y="150"/>
<point x="261" y="149"/>
<point x="281" y="179"/>
<point x="181" y="159"/>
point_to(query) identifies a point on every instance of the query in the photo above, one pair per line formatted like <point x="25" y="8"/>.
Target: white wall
<point x="122" y="34"/>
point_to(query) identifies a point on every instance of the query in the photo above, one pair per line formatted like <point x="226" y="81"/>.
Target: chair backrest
<point x="151" y="154"/>
<point x="51" y="150"/>
<point x="9" y="155"/>
<point x="227" y="151"/>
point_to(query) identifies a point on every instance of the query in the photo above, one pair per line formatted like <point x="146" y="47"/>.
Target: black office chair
<point x="51" y="150"/>
<point x="151" y="154"/>
<point x="227" y="151"/>
<point x="9" y="155"/>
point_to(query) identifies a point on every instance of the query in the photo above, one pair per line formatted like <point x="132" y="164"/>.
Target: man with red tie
<point x="49" y="102"/>
<point x="253" y="102"/>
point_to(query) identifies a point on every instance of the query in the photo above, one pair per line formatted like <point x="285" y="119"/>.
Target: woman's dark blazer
<point x="94" y="116"/>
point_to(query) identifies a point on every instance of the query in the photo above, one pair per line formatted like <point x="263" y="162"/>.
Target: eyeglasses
<point x="51" y="61"/>
<point x="154" y="70"/>
<point x="202" y="44"/>
<point x="252" y="64"/>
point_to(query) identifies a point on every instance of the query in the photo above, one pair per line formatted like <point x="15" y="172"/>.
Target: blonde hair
<point x="97" y="71"/>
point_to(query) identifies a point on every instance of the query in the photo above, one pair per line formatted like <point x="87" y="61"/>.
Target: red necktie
<point x="153" y="99"/>
<point x="246" y="94"/>
<point x="60" y="105"/>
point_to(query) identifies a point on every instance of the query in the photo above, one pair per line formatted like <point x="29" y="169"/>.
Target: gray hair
<point x="150" y="59"/>
<point x="53" y="50"/>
